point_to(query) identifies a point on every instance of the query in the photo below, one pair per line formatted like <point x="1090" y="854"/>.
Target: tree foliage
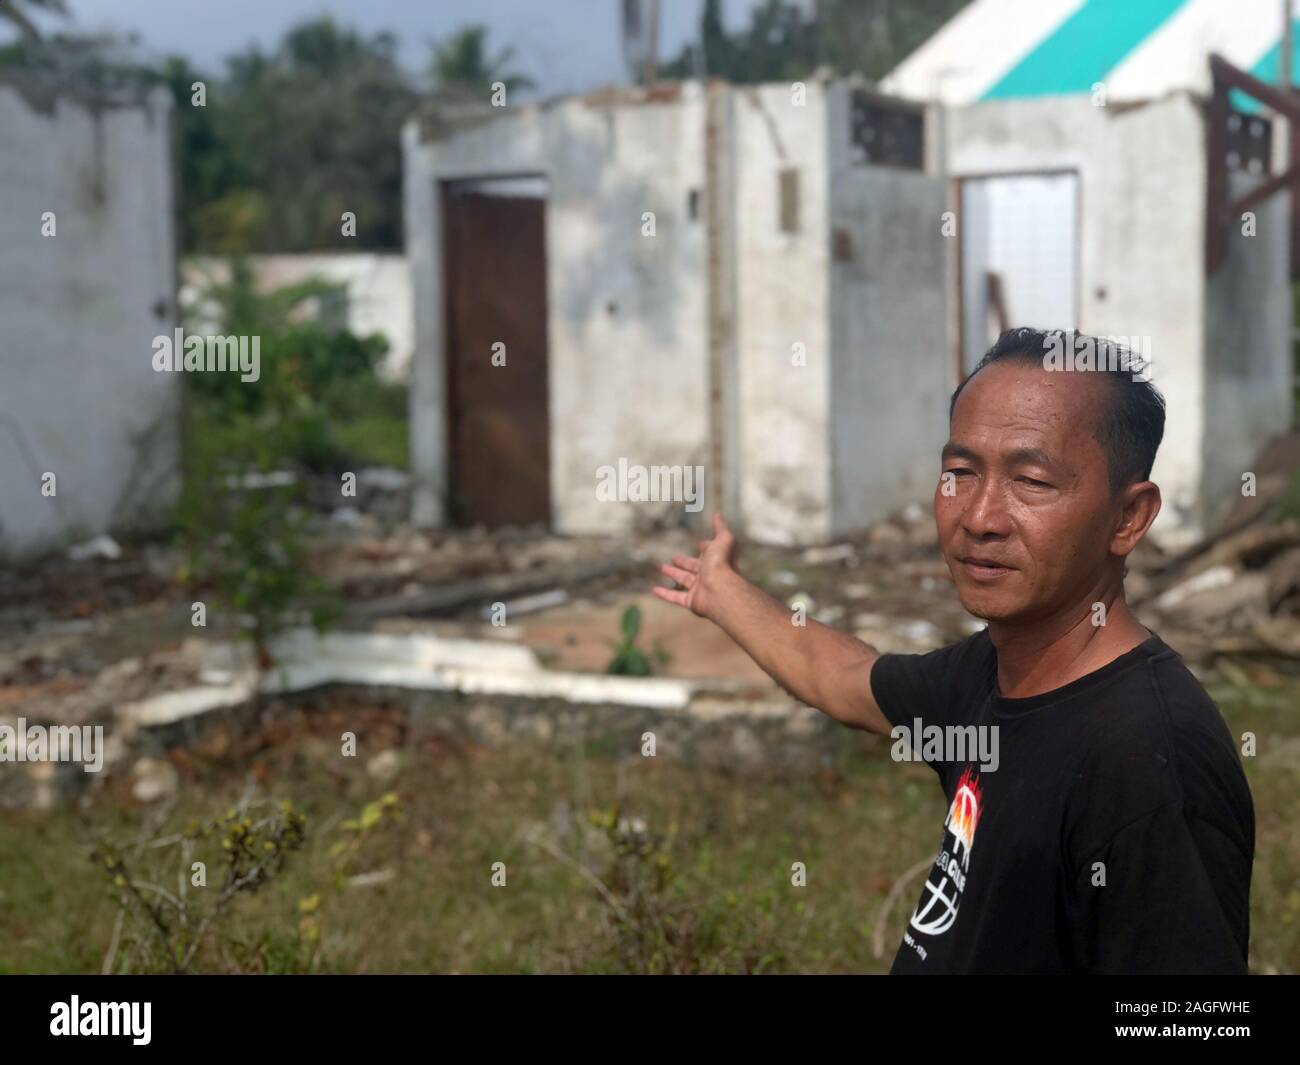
<point x="19" y="13"/>
<point x="460" y="65"/>
<point x="783" y="43"/>
<point x="293" y="139"/>
<point x="275" y="149"/>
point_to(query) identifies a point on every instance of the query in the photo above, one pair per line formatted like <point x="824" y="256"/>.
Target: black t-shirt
<point x="1115" y="833"/>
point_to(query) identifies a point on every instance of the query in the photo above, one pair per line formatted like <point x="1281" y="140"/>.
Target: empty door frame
<point x="958" y="199"/>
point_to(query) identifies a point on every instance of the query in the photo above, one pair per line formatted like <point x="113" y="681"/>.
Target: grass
<point x="368" y="421"/>
<point x="697" y="880"/>
<point x="376" y="440"/>
<point x="1265" y="704"/>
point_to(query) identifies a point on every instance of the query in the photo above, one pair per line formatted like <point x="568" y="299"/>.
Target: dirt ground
<point x="77" y="638"/>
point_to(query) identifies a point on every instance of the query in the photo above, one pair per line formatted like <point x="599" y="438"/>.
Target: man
<point x="1114" y="833"/>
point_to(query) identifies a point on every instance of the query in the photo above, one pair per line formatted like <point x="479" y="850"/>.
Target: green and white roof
<point x="1140" y="49"/>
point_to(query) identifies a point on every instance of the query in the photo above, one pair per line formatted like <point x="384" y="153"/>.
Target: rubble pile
<point x="89" y="632"/>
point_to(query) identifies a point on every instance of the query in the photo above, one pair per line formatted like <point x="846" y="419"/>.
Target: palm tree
<point x="15" y="11"/>
<point x="460" y="65"/>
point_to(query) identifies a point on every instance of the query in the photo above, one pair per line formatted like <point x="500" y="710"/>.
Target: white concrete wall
<point x="78" y="313"/>
<point x="626" y="317"/>
<point x="891" y="369"/>
<point x="378" y="288"/>
<point x="783" y="298"/>
<point x="1249" y="369"/>
<point x="1142" y="206"/>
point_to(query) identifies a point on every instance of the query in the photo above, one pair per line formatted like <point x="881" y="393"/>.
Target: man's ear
<point x="1139" y="505"/>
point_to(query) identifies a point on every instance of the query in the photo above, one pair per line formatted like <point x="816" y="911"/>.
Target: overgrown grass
<point x="692" y="866"/>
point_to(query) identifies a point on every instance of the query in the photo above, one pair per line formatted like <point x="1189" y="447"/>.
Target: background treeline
<point x="291" y="138"/>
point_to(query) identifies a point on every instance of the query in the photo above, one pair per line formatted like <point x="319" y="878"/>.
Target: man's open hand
<point x="817" y="665"/>
<point x="701" y="579"/>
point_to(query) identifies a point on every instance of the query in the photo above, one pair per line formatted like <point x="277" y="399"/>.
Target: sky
<point x="563" y="45"/>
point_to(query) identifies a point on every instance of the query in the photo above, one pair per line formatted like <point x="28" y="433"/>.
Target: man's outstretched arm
<point x="826" y="669"/>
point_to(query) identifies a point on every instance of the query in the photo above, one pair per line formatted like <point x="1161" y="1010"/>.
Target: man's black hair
<point x="1132" y="423"/>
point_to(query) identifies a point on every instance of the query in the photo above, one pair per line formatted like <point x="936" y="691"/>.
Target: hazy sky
<point x="564" y="45"/>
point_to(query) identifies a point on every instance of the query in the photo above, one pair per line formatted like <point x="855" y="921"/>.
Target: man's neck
<point x="1044" y="656"/>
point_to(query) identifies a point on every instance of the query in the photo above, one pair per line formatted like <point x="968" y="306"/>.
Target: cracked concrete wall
<point x="892" y="370"/>
<point x="79" y="311"/>
<point x="783" y="312"/>
<point x="842" y="355"/>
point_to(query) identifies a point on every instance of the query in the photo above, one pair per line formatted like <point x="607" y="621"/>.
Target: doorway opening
<point x="495" y="315"/>
<point x="1019" y="257"/>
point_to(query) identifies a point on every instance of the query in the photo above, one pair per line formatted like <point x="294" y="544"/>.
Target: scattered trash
<point x="152" y="779"/>
<point x="349" y="517"/>
<point x="821" y="556"/>
<point x="96" y="547"/>
<point x="255" y="480"/>
<point x="383" y="479"/>
<point x="384" y="766"/>
<point x="886" y="533"/>
<point x="379" y="876"/>
<point x="920" y="631"/>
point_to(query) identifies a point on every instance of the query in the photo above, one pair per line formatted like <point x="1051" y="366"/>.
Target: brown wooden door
<point x="495" y="271"/>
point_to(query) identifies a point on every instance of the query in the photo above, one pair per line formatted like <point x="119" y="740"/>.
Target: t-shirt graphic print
<point x="941" y="899"/>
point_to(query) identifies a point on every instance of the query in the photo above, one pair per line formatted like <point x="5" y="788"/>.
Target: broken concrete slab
<point x="171" y="707"/>
<point x="306" y="660"/>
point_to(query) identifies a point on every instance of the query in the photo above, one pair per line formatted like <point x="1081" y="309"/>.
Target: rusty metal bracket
<point x="1221" y="211"/>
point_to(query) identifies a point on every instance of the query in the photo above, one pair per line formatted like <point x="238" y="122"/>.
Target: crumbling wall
<point x="87" y="280"/>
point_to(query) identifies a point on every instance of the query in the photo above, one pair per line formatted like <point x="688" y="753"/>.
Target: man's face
<point x="1024" y="507"/>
